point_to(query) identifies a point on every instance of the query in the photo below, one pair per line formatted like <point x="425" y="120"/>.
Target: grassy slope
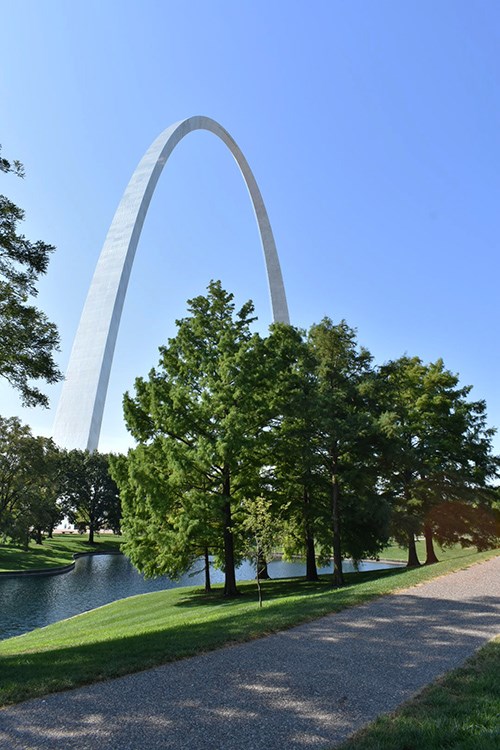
<point x="459" y="711"/>
<point x="53" y="553"/>
<point x="132" y="634"/>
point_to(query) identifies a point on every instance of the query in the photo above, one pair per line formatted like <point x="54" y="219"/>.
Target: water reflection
<point x="32" y="602"/>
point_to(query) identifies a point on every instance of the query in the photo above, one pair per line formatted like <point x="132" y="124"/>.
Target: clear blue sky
<point x="373" y="129"/>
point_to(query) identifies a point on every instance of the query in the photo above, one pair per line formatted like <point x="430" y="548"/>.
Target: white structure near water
<point x="81" y="405"/>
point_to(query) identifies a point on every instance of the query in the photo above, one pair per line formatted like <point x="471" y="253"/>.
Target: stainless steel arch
<point x="81" y="405"/>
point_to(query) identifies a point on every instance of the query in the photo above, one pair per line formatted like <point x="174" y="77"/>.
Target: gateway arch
<point x="81" y="405"/>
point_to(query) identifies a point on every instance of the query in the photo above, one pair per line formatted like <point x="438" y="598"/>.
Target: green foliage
<point x="295" y="480"/>
<point x="335" y="449"/>
<point x="263" y="530"/>
<point x="166" y="529"/>
<point x="44" y="510"/>
<point x="347" y="444"/>
<point x="28" y="338"/>
<point x="200" y="421"/>
<point x="470" y="524"/>
<point x="89" y="495"/>
<point x="28" y="482"/>
<point x="436" y="459"/>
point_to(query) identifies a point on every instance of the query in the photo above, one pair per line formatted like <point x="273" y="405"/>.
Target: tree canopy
<point x="28" y="339"/>
<point x="437" y="452"/>
<point x="295" y="440"/>
<point x="29" y="486"/>
<point x="200" y="420"/>
<point x="89" y="495"/>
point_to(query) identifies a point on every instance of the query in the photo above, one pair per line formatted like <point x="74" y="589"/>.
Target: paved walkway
<point x="306" y="688"/>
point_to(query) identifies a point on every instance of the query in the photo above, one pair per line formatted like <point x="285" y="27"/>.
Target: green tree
<point x="295" y="479"/>
<point x="201" y="420"/>
<point x="43" y="509"/>
<point x="90" y="496"/>
<point x="437" y="452"/>
<point x="16" y="443"/>
<point x="168" y="524"/>
<point x="347" y="443"/>
<point x="28" y="490"/>
<point x="263" y="529"/>
<point x="28" y="339"/>
<point x="473" y="523"/>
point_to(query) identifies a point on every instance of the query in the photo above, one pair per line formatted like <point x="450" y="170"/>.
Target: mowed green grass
<point x="54" y="553"/>
<point x="395" y="552"/>
<point x="152" y="629"/>
<point x="461" y="711"/>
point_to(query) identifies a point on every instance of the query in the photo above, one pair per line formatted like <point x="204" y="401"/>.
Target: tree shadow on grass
<point x="281" y="588"/>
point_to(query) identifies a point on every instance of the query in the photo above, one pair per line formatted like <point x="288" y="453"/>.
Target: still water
<point x="29" y="602"/>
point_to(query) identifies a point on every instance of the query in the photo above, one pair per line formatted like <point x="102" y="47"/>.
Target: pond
<point x="28" y="602"/>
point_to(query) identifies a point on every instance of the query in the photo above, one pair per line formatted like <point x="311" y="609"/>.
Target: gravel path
<point x="306" y="688"/>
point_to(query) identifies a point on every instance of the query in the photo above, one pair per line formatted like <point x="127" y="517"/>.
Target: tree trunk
<point x="39" y="538"/>
<point x="91" y="533"/>
<point x="413" y="560"/>
<point x="430" y="555"/>
<point x="230" y="589"/>
<point x="311" y="569"/>
<point x="338" y="574"/>
<point x="259" y="588"/>
<point x="262" y="571"/>
<point x="208" y="586"/>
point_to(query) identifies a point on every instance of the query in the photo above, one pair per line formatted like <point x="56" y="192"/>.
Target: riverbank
<point x="144" y="631"/>
<point x="56" y="553"/>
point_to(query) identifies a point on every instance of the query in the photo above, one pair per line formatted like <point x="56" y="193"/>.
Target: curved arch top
<point x="81" y="405"/>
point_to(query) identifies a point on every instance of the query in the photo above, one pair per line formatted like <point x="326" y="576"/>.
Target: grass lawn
<point x="394" y="552"/>
<point x="54" y="553"/>
<point x="459" y="711"/>
<point x="144" y="631"/>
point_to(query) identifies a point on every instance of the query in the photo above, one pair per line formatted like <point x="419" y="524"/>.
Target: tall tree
<point x="201" y="418"/>
<point x="28" y="488"/>
<point x="347" y="437"/>
<point x="90" y="496"/>
<point x="16" y="442"/>
<point x="28" y="338"/>
<point x="43" y="509"/>
<point x="438" y="449"/>
<point x="295" y="479"/>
